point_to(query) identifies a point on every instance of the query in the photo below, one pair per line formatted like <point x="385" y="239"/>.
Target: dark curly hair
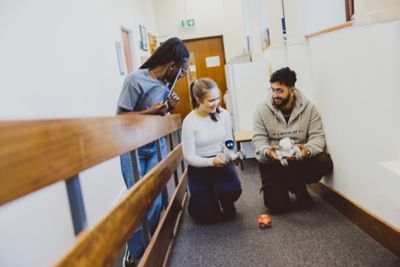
<point x="285" y="76"/>
<point x="172" y="49"/>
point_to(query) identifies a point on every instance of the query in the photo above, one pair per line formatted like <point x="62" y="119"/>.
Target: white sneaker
<point x="129" y="260"/>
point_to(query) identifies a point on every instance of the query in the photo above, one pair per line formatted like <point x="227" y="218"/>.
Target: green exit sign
<point x="187" y="23"/>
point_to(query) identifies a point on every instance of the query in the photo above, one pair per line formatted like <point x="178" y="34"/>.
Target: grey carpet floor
<point x="319" y="236"/>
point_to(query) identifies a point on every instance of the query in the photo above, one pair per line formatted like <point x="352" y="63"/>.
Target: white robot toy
<point x="286" y="150"/>
<point x="228" y="152"/>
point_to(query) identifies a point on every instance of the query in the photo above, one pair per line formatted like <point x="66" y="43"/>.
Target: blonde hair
<point x="198" y="90"/>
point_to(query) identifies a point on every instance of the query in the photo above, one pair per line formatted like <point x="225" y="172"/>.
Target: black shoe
<point x="304" y="201"/>
<point x="303" y="198"/>
<point x="207" y="221"/>
<point x="281" y="209"/>
<point x="228" y="214"/>
<point x="129" y="260"/>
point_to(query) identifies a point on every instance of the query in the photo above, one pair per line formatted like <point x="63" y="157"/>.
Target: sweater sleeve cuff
<point x="311" y="154"/>
<point x="260" y="155"/>
<point x="200" y="162"/>
<point x="210" y="162"/>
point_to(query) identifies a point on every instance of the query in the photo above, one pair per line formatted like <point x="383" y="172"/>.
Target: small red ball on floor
<point x="264" y="221"/>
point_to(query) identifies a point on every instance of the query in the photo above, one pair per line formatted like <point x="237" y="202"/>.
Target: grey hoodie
<point x="304" y="126"/>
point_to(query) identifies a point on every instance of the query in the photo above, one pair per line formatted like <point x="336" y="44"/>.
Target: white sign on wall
<point x="212" y="62"/>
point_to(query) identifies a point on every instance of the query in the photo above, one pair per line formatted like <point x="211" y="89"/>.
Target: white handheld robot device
<point x="228" y="152"/>
<point x="171" y="88"/>
<point x="286" y="150"/>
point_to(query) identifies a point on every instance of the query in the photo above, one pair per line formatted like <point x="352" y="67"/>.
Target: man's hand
<point x="157" y="109"/>
<point x="173" y="101"/>
<point x="218" y="161"/>
<point x="271" y="153"/>
<point x="303" y="151"/>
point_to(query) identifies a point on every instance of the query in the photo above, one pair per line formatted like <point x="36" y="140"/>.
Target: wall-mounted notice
<point x="212" y="62"/>
<point x="119" y="58"/>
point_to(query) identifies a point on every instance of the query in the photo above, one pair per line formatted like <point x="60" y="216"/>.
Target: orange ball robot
<point x="264" y="221"/>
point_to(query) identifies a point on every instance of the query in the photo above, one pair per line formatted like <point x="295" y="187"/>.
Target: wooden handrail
<point x="160" y="245"/>
<point x="330" y="29"/>
<point x="101" y="245"/>
<point x="35" y="154"/>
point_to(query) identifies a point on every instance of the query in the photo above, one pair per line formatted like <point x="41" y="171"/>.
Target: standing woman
<point x="145" y="92"/>
<point x="213" y="183"/>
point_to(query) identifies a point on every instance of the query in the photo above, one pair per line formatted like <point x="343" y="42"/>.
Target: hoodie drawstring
<point x="276" y="126"/>
<point x="298" y="127"/>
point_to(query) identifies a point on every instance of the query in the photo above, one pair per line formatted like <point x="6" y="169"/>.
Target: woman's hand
<point x="157" y="109"/>
<point x="218" y="161"/>
<point x="173" y="101"/>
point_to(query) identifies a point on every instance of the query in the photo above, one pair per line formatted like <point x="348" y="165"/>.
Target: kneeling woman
<point x="213" y="183"/>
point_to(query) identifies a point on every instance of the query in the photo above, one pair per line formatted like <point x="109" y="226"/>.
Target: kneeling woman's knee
<point x="231" y="195"/>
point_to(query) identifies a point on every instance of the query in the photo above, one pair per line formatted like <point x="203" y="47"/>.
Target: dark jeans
<point x="277" y="180"/>
<point x="211" y="189"/>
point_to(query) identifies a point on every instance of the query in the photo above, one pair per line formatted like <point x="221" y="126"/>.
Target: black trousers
<point x="277" y="180"/>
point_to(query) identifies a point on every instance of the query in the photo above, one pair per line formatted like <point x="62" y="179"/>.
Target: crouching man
<point x="287" y="113"/>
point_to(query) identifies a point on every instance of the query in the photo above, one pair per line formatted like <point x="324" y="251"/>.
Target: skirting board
<point x="385" y="234"/>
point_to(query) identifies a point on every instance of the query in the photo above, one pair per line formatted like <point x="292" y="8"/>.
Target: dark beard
<point x="283" y="102"/>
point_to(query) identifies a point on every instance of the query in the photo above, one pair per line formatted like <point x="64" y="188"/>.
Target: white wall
<point x="371" y="11"/>
<point x="356" y="87"/>
<point x="274" y="16"/>
<point x="143" y="14"/>
<point x="308" y="16"/>
<point x="302" y="17"/>
<point x="256" y="21"/>
<point x="244" y="78"/>
<point x="58" y="59"/>
<point x="319" y="15"/>
<point x="212" y="17"/>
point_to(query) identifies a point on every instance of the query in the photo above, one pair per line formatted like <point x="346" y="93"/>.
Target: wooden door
<point x="127" y="50"/>
<point x="207" y="59"/>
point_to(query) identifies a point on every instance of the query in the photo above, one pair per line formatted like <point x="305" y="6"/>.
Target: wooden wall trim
<point x="330" y="29"/>
<point x="102" y="244"/>
<point x="381" y="231"/>
<point x="37" y="153"/>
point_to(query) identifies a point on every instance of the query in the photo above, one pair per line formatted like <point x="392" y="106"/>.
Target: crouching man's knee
<point x="320" y="166"/>
<point x="324" y="163"/>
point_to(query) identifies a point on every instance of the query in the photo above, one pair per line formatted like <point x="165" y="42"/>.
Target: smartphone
<point x="171" y="89"/>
